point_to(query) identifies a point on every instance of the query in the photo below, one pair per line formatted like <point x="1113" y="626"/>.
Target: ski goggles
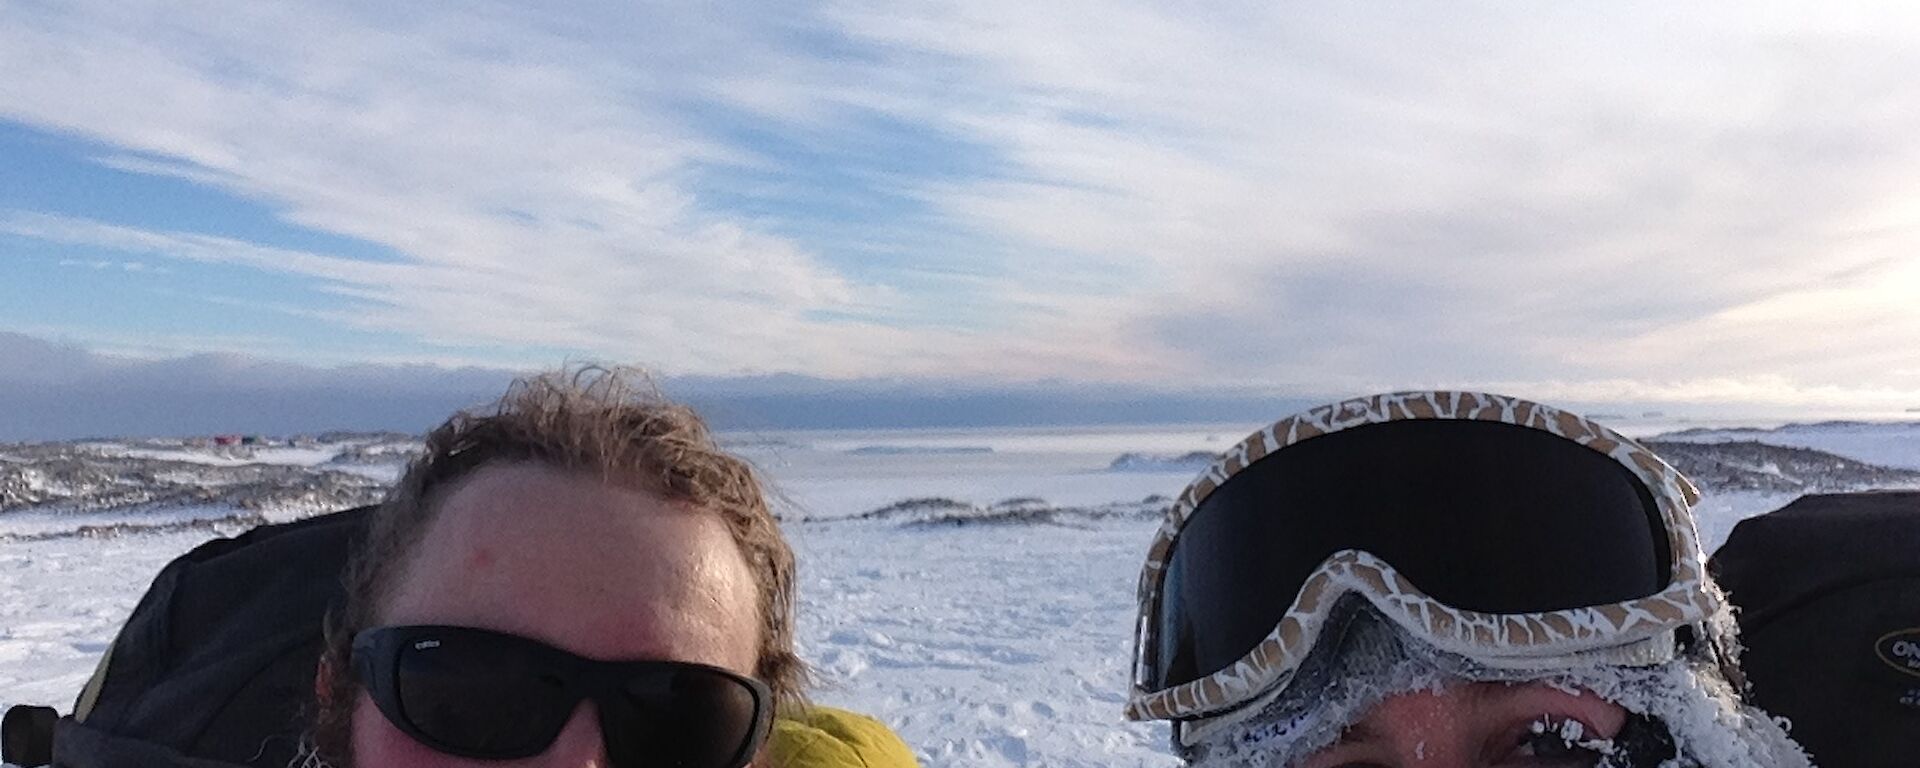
<point x="1512" y="533"/>
<point x="494" y="696"/>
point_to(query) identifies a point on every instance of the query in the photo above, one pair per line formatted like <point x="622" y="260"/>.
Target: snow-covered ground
<point x="1891" y="445"/>
<point x="984" y="645"/>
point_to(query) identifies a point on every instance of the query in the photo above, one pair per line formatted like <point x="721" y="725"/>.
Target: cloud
<point x="1635" y="194"/>
<point x="530" y="186"/>
<point x="1662" y="201"/>
<point x="55" y="391"/>
<point x="537" y="180"/>
<point x="52" y="390"/>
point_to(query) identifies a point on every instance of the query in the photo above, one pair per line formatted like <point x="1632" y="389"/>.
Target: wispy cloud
<point x="1679" y="201"/>
<point x="530" y="201"/>
<point x="1645" y="199"/>
<point x="536" y="177"/>
<point x="100" y="265"/>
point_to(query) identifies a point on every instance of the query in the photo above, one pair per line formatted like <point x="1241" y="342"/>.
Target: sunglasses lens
<point x="480" y="695"/>
<point x="494" y="696"/>
<point x="1482" y="516"/>
<point x="689" y="717"/>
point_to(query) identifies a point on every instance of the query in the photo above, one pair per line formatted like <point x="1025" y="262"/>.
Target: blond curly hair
<point x="609" y="422"/>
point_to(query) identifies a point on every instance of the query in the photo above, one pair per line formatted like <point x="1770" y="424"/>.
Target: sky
<point x="1678" y="205"/>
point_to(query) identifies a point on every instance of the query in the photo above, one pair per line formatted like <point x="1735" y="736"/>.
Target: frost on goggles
<point x="1478" y="514"/>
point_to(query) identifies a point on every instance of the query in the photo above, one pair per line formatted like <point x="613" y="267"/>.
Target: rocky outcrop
<point x="946" y="512"/>
<point x="1755" y="466"/>
<point x="82" y="481"/>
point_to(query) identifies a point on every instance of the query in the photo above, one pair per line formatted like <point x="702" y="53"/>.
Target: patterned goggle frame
<point x="1510" y="639"/>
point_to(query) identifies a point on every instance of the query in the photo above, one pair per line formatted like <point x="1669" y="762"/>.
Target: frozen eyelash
<point x="1572" y="732"/>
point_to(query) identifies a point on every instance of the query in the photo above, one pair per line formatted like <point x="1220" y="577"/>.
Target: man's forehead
<point x="600" y="570"/>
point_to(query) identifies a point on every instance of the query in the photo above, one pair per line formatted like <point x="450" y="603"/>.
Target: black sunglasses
<point x="494" y="696"/>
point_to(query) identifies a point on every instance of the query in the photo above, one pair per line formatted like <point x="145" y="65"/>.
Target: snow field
<point x="63" y="602"/>
<point x="983" y="645"/>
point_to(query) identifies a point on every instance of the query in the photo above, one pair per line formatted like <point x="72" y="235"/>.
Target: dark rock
<point x="1754" y="466"/>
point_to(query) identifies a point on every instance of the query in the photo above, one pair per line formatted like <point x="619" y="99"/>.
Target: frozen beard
<point x="1684" y="712"/>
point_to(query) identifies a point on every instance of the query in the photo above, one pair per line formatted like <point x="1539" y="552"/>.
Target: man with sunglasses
<point x="577" y="577"/>
<point x="1443" y="580"/>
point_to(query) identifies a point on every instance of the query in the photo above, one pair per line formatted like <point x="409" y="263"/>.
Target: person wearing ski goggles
<point x="580" y="577"/>
<point x="1441" y="579"/>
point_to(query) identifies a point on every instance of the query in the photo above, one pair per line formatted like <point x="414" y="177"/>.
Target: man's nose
<point x="1428" y="729"/>
<point x="580" y="744"/>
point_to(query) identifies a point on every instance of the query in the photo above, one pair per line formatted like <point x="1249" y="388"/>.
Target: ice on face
<point x="1369" y="659"/>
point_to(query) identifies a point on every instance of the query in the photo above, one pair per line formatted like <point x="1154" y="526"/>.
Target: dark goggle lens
<point x="1483" y="516"/>
<point x="488" y="695"/>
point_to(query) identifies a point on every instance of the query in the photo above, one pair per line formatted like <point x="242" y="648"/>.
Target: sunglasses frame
<point x="1636" y="631"/>
<point x="376" y="663"/>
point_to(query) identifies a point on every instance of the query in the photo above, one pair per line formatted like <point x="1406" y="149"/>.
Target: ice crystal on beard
<point x="1362" y="659"/>
<point x="1572" y="733"/>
